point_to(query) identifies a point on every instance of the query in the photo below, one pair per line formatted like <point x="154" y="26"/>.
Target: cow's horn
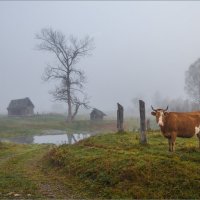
<point x="166" y="109"/>
<point x="153" y="108"/>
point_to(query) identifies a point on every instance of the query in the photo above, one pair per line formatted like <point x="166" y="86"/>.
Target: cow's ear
<point x="153" y="113"/>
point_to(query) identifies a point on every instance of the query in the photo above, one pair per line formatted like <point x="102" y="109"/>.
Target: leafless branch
<point x="68" y="53"/>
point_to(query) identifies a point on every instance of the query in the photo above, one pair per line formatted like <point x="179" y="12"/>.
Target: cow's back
<point x="183" y="124"/>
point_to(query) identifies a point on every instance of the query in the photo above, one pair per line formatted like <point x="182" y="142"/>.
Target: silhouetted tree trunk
<point x="68" y="52"/>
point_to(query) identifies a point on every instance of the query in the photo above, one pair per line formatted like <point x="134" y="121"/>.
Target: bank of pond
<point x="57" y="137"/>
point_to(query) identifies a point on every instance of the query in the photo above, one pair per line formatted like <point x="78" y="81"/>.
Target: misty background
<point x="142" y="50"/>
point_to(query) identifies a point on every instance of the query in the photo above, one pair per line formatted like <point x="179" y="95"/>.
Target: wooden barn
<point x="96" y="114"/>
<point x="21" y="107"/>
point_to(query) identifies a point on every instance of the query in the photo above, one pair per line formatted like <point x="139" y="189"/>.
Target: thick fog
<point x="141" y="48"/>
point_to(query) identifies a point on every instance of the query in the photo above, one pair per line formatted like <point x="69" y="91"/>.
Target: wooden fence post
<point x="148" y="127"/>
<point x="120" y="118"/>
<point x="143" y="139"/>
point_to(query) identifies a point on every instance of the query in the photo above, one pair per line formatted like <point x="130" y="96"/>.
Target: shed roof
<point x="98" y="112"/>
<point x="20" y="103"/>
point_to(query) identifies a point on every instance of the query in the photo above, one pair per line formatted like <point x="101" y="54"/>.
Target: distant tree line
<point x="175" y="104"/>
<point x="192" y="81"/>
<point x="178" y="104"/>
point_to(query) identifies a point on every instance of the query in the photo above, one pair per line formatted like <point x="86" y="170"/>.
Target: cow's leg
<point x="198" y="135"/>
<point x="173" y="139"/>
<point x="170" y="144"/>
<point x="173" y="146"/>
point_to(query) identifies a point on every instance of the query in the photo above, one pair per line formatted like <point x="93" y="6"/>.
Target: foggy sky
<point x="141" y="48"/>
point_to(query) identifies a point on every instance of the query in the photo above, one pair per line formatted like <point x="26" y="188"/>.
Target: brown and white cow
<point x="177" y="124"/>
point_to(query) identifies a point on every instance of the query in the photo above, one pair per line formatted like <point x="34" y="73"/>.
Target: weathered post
<point x="120" y="118"/>
<point x="143" y="139"/>
<point x="148" y="127"/>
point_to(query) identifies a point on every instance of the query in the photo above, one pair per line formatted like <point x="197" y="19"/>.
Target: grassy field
<point x="37" y="125"/>
<point x="18" y="166"/>
<point x="117" y="166"/>
<point x="106" y="166"/>
<point x="24" y="176"/>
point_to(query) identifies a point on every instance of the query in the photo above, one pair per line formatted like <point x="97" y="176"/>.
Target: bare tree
<point x="68" y="52"/>
<point x="192" y="81"/>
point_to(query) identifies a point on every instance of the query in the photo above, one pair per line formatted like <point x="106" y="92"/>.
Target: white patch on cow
<point x="160" y="119"/>
<point x="197" y="129"/>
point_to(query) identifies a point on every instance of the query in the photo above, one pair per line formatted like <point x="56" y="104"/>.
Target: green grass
<point x="15" y="126"/>
<point x="16" y="162"/>
<point x="37" y="125"/>
<point x="117" y="166"/>
<point x="105" y="166"/>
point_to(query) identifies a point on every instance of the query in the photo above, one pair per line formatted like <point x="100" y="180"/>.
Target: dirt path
<point x="22" y="174"/>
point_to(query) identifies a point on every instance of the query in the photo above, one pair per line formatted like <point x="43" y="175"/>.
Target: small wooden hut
<point x="96" y="114"/>
<point x="20" y="107"/>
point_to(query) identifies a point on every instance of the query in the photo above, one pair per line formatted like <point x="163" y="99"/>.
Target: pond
<point x="50" y="137"/>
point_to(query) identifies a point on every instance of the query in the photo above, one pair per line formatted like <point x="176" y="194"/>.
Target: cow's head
<point x="160" y="115"/>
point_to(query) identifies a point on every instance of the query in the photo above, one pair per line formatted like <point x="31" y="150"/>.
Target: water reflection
<point x="60" y="139"/>
<point x="19" y="139"/>
<point x="55" y="138"/>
